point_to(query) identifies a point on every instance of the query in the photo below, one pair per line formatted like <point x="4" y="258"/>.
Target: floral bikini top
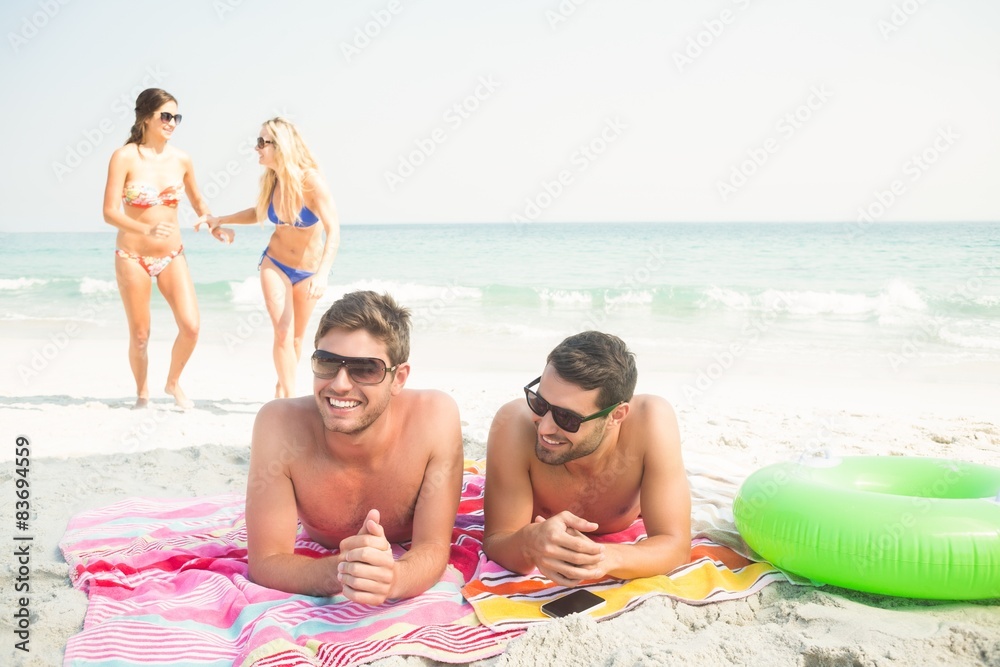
<point x="145" y="196"/>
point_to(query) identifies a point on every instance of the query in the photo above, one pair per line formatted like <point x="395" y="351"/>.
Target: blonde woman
<point x="146" y="178"/>
<point x="295" y="265"/>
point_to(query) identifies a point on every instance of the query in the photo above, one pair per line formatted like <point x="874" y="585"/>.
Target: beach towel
<point x="167" y="585"/>
<point x="504" y="600"/>
<point x="722" y="567"/>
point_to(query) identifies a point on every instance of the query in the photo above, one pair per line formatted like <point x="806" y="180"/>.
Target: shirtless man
<point x="361" y="464"/>
<point x="583" y="456"/>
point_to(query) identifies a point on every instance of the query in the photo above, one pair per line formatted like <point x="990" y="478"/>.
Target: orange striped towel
<point x="717" y="571"/>
<point x="504" y="600"/>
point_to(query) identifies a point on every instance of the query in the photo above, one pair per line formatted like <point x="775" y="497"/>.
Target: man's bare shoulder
<point x="512" y="414"/>
<point x="651" y="418"/>
<point x="282" y="420"/>
<point x="512" y="434"/>
<point x="283" y="408"/>
<point x="429" y="414"/>
<point x="433" y="399"/>
<point x="652" y="407"/>
<point x="427" y="409"/>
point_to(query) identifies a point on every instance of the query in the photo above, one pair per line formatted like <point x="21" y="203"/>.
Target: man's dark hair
<point x="596" y="360"/>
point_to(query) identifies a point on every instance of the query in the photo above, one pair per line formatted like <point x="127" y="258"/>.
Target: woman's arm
<point x="247" y="216"/>
<point x="319" y="200"/>
<point x="200" y="205"/>
<point x="191" y="187"/>
<point x="113" y="215"/>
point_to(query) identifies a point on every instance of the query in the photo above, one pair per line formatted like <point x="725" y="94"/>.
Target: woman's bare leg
<point x="279" y="301"/>
<point x="303" y="306"/>
<point x="135" y="286"/>
<point x="177" y="288"/>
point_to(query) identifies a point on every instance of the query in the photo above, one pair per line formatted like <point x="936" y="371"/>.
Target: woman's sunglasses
<point x="564" y="419"/>
<point x="166" y="117"/>
<point x="362" y="370"/>
<point x="261" y="142"/>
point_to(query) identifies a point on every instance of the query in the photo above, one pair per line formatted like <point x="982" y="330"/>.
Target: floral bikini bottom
<point x="153" y="265"/>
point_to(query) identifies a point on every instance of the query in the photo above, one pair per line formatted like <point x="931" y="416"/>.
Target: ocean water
<point x="687" y="297"/>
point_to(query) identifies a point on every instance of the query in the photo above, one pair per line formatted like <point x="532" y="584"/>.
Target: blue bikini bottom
<point x="294" y="275"/>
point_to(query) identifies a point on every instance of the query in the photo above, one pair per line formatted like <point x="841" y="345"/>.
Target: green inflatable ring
<point x="906" y="526"/>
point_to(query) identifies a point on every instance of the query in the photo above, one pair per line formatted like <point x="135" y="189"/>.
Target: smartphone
<point x="576" y="602"/>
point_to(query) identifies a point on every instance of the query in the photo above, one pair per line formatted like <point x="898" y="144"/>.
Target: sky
<point x="529" y="111"/>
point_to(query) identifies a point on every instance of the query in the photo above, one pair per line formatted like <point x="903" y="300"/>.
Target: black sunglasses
<point x="565" y="419"/>
<point x="166" y="117"/>
<point x="362" y="370"/>
<point x="261" y="142"/>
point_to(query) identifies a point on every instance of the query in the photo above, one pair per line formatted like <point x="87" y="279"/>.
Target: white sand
<point x="89" y="450"/>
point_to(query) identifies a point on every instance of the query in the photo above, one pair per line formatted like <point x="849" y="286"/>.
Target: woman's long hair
<point x="146" y="105"/>
<point x="292" y="161"/>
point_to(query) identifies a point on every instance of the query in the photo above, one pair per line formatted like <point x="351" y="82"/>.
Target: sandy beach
<point x="88" y="450"/>
<point x="782" y="208"/>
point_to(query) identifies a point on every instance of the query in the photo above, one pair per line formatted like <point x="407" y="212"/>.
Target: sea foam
<point x="20" y="283"/>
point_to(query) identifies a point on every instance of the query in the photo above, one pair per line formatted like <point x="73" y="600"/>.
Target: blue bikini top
<point x="306" y="217"/>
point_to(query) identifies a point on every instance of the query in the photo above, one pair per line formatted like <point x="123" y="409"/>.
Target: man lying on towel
<point x="361" y="464"/>
<point x="583" y="456"/>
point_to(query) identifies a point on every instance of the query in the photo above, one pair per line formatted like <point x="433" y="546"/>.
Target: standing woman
<point x="295" y="265"/>
<point x="146" y="179"/>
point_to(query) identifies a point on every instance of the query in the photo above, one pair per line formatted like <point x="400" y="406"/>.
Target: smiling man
<point x="582" y="456"/>
<point x="361" y="464"/>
